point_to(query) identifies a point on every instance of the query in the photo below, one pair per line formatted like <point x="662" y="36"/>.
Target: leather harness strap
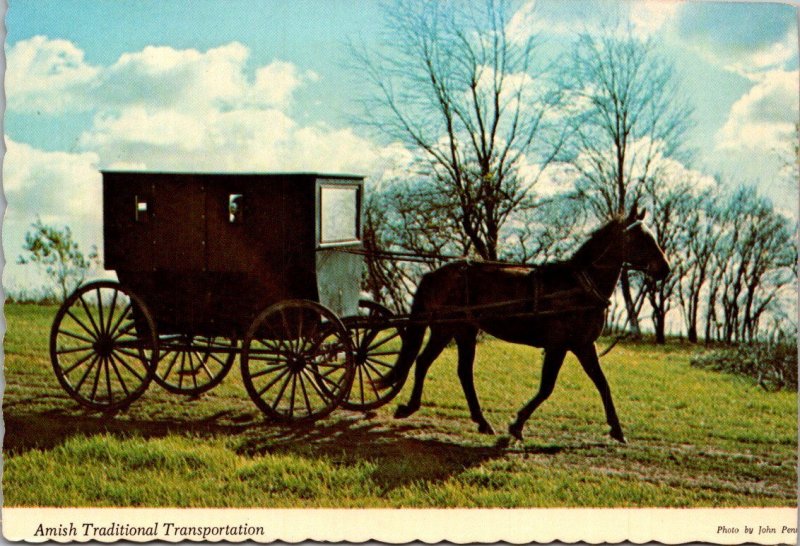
<point x="590" y="287"/>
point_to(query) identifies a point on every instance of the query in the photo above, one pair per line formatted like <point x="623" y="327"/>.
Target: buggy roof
<point x="304" y="174"/>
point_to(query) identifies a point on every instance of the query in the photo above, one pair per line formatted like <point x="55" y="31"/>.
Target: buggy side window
<point x="141" y="210"/>
<point x="339" y="214"/>
<point x="236" y="208"/>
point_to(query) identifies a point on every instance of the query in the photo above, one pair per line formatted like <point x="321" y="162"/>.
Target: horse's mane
<point x="598" y="242"/>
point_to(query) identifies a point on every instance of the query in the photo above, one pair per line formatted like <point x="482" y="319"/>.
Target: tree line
<point x="492" y="120"/>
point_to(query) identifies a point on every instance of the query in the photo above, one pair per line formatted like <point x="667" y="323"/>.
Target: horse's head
<point x="642" y="252"/>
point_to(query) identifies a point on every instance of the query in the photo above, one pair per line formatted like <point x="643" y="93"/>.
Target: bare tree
<point x="627" y="113"/>
<point x="549" y="232"/>
<point x="669" y="204"/>
<point x="759" y="254"/>
<point x="455" y="86"/>
<point x="701" y="236"/>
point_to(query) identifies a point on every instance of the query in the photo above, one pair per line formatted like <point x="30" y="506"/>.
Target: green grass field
<point x="696" y="438"/>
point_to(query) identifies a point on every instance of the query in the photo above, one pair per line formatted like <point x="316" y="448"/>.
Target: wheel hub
<point x="104" y="345"/>
<point x="297" y="363"/>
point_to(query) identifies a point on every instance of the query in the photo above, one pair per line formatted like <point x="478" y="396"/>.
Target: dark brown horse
<point x="558" y="306"/>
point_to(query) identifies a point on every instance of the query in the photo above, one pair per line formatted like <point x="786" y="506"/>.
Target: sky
<point x="268" y="85"/>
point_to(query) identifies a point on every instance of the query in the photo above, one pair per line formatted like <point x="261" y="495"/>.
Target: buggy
<point x="211" y="266"/>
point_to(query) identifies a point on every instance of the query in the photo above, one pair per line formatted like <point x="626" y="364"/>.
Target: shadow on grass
<point x="402" y="452"/>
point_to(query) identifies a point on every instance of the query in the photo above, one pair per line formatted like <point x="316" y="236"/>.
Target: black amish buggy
<point x="211" y="266"/>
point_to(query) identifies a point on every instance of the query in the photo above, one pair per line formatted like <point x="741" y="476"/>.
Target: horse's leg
<point x="466" y="358"/>
<point x="436" y="344"/>
<point x="553" y="358"/>
<point x="587" y="355"/>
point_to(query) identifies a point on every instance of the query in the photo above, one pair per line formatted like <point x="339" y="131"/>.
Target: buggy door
<point x="179" y="225"/>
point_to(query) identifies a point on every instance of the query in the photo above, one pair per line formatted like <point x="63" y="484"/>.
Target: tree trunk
<point x="659" y="322"/>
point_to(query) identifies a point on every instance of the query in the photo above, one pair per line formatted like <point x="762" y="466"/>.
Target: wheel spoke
<point x="78" y="363"/>
<point x="280" y="393"/>
<point x="171" y="365"/>
<point x="82" y="325"/>
<point x="108" y="380"/>
<point x="87" y="372"/>
<point x="383" y="353"/>
<point x="73" y="350"/>
<point x="100" y="318"/>
<point x="193" y="369"/>
<point x="327" y="380"/>
<point x="180" y="372"/>
<point x="361" y="382"/>
<point x="215" y="357"/>
<point x="271" y="358"/>
<point x="208" y="372"/>
<point x="119" y="375"/>
<point x="371" y="382"/>
<point x="291" y="396"/>
<point x="127" y="366"/>
<point x="379" y="362"/>
<point x="383" y="341"/>
<point x="267" y="370"/>
<point x="316" y="386"/>
<point x="369" y="365"/>
<point x="123" y="331"/>
<point x="113" y="329"/>
<point x="111" y="311"/>
<point x="272" y="382"/>
<point x="89" y="314"/>
<point x="76" y="336"/>
<point x="305" y="395"/>
<point x="96" y="380"/>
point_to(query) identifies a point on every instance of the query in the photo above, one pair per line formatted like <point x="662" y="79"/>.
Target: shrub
<point x="772" y="364"/>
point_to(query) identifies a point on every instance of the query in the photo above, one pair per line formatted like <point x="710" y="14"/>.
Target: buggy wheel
<point x="376" y="347"/>
<point x="297" y="361"/>
<point x="192" y="365"/>
<point x="103" y="346"/>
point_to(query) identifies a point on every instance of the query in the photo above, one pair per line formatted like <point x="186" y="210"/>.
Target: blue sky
<point x="265" y="85"/>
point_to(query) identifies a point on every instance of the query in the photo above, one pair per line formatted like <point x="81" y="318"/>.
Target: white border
<point x="669" y="526"/>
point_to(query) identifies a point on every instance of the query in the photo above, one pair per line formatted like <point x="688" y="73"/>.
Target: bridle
<point x="586" y="281"/>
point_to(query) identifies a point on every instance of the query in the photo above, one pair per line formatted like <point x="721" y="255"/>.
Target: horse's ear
<point x="634" y="214"/>
<point x="641" y="215"/>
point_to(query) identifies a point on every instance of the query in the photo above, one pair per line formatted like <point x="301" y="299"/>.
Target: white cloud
<point x="643" y="17"/>
<point x="184" y="109"/>
<point x="57" y="186"/>
<point x="48" y="76"/>
<point x="651" y="16"/>
<point x="764" y="117"/>
<point x="753" y="64"/>
<point x="60" y="188"/>
<point x="522" y="24"/>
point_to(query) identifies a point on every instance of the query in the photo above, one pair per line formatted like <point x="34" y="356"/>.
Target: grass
<point x="696" y="439"/>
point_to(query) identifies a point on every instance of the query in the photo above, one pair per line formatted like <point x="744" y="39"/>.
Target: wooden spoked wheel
<point x="103" y="346"/>
<point x="192" y="365"/>
<point x="376" y="347"/>
<point x="297" y="361"/>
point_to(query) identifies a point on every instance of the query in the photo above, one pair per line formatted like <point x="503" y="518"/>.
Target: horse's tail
<point x="412" y="337"/>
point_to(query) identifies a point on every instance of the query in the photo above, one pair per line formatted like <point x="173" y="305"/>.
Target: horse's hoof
<point x="485" y="428"/>
<point x="403" y="411"/>
<point x="618" y="436"/>
<point x="515" y="431"/>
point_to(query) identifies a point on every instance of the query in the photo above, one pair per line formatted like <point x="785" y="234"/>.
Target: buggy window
<point x="338" y="214"/>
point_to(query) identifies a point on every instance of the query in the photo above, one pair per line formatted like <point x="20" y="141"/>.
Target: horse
<point x="557" y="306"/>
